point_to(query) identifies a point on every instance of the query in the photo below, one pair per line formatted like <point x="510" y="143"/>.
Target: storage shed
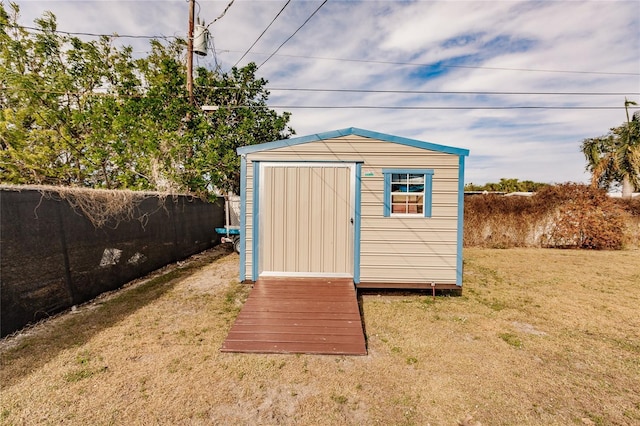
<point x="383" y="210"/>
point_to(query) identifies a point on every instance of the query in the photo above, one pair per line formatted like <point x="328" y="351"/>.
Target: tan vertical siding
<point x="392" y="249"/>
<point x="248" y="212"/>
<point x="304" y="219"/>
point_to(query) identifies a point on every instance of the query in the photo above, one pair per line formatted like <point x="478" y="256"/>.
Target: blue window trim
<point x="428" y="189"/>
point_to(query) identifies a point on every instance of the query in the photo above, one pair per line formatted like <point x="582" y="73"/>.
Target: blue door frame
<point x="255" y="223"/>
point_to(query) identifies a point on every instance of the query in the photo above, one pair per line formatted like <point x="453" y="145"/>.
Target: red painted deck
<point x="299" y="315"/>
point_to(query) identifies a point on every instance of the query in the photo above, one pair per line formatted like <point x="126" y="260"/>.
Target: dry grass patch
<point x="539" y="337"/>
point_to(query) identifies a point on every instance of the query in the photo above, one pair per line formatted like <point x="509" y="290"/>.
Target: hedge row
<point x="561" y="216"/>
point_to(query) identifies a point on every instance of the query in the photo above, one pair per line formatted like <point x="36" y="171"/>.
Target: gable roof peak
<point x="349" y="131"/>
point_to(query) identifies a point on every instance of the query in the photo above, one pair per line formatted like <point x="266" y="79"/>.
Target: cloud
<point x="429" y="46"/>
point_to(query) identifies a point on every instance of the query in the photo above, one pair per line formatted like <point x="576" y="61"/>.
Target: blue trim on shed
<point x="356" y="224"/>
<point x="460" y="259"/>
<point x="428" y="194"/>
<point x="461" y="153"/>
<point x="243" y="218"/>
<point x="386" y="201"/>
<point x="348" y="132"/>
<point x="255" y="243"/>
<point x="409" y="171"/>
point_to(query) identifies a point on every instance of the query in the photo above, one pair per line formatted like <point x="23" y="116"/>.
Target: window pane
<point x="399" y="199"/>
<point x="399" y="203"/>
<point x="416" y="188"/>
<point x="397" y="187"/>
<point x="416" y="183"/>
<point x="398" y="178"/>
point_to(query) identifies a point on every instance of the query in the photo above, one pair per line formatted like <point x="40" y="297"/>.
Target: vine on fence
<point x="103" y="207"/>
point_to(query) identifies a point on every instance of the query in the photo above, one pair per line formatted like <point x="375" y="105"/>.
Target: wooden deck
<point x="299" y="315"/>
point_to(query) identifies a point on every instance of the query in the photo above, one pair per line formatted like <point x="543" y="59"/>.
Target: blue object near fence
<point x="230" y="231"/>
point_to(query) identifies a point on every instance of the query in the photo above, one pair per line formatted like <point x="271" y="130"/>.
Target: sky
<point x="519" y="83"/>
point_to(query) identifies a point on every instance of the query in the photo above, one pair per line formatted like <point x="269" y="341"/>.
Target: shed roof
<point x="348" y="132"/>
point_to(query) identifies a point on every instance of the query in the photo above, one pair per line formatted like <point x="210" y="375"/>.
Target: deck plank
<point x="299" y="315"/>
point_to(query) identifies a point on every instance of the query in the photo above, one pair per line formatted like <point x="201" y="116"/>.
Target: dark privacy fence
<point x="52" y="256"/>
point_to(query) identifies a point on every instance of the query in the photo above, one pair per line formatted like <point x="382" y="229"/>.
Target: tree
<point x="507" y="185"/>
<point x="90" y="114"/>
<point x="241" y="118"/>
<point x="615" y="157"/>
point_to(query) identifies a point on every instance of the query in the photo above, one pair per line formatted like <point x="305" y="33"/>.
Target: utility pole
<point x="627" y="185"/>
<point x="192" y="7"/>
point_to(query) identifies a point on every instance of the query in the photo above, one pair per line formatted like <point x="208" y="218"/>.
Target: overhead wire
<point x="224" y="12"/>
<point x="409" y="107"/>
<point x="385" y="107"/>
<point x="370" y="61"/>
<point x="295" y="32"/>
<point x="261" y="34"/>
<point x="113" y="35"/>
<point x="392" y="107"/>
<point x="212" y="47"/>
<point x="364" y="61"/>
<point x="450" y="92"/>
<point x="423" y="92"/>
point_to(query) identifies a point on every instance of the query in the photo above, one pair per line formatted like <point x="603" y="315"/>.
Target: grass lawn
<point x="538" y="337"/>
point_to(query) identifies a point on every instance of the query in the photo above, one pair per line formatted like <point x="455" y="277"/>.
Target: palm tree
<point x="615" y="157"/>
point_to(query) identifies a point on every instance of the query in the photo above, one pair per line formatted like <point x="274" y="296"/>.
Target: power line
<point x="368" y="107"/>
<point x="224" y="12"/>
<point x="291" y="36"/>
<point x="450" y="92"/>
<point x="364" y="61"/>
<point x="263" y="32"/>
<point x="400" y="107"/>
<point x="114" y="35"/>
<point x="414" y="64"/>
<point x="419" y="92"/>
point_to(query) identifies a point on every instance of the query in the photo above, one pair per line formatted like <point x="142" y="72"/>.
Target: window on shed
<point x="407" y="192"/>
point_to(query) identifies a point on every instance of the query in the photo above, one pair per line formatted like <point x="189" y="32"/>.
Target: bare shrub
<point x="567" y="215"/>
<point x="632" y="207"/>
<point x="501" y="222"/>
<point x="585" y="218"/>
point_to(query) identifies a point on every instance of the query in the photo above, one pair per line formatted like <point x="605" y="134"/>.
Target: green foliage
<point x="614" y="158"/>
<point x="507" y="185"/>
<point x="90" y="114"/>
<point x="339" y="399"/>
<point x="511" y="339"/>
<point x="85" y="369"/>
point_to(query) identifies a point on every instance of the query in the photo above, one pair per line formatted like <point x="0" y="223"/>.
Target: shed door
<point x="306" y="219"/>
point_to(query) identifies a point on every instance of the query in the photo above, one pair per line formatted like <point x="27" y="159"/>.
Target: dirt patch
<point x="527" y="328"/>
<point x="537" y="337"/>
